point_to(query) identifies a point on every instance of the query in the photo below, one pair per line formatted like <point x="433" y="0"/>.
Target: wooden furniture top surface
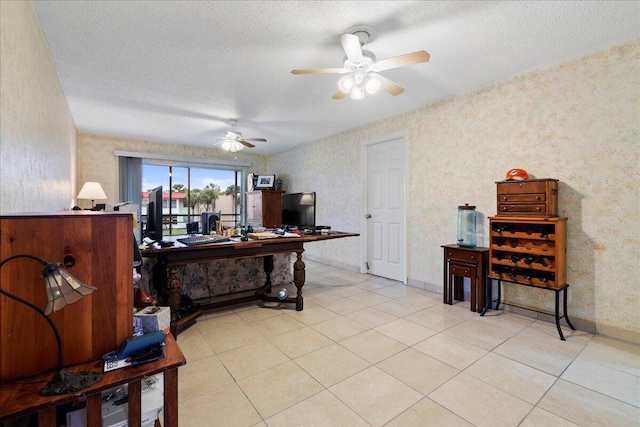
<point x="475" y="249"/>
<point x="63" y="214"/>
<point x="233" y="248"/>
<point x="526" y="180"/>
<point x="526" y="219"/>
<point x="21" y="397"/>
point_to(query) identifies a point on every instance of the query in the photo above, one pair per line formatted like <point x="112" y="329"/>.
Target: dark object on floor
<point x="143" y="300"/>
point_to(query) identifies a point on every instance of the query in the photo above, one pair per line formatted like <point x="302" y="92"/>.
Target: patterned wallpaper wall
<point x="37" y="132"/>
<point x="577" y="122"/>
<point x="97" y="161"/>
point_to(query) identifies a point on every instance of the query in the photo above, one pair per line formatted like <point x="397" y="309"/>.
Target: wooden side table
<point x="20" y="397"/>
<point x="460" y="262"/>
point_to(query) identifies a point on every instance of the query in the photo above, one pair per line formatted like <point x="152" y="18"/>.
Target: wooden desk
<point x="462" y="262"/>
<point x="169" y="258"/>
<point x="20" y="397"/>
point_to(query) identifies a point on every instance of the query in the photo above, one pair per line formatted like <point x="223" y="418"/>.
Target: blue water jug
<point x="467" y="226"/>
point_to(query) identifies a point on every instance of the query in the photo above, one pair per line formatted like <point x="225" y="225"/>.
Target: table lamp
<point x="93" y="191"/>
<point x="62" y="289"/>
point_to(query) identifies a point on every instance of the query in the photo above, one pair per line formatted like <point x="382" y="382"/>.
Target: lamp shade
<point x="62" y="288"/>
<point x="92" y="191"/>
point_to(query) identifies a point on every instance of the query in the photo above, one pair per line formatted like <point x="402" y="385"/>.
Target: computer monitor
<point x="299" y="210"/>
<point x="154" y="214"/>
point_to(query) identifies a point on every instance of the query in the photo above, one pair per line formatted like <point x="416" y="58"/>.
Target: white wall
<point x="37" y="132"/>
<point x="577" y="122"/>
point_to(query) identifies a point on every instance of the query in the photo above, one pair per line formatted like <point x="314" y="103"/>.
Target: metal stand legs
<point x="564" y="312"/>
<point x="557" y="316"/>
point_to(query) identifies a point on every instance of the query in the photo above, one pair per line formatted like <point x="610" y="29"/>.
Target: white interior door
<point x="385" y="208"/>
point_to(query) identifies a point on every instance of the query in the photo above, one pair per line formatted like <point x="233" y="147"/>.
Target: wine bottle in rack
<point x="499" y="228"/>
<point x="515" y="258"/>
<point x="545" y="277"/>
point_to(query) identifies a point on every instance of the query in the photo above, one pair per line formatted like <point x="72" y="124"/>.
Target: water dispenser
<point x="467" y="226"/>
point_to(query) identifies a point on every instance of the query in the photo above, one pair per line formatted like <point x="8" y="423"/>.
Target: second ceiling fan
<point x="361" y="67"/>
<point x="233" y="140"/>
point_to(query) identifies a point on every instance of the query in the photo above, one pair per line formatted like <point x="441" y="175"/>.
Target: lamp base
<point x="64" y="382"/>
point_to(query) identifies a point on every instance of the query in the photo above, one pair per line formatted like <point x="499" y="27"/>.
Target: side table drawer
<point x="460" y="270"/>
<point x="462" y="255"/>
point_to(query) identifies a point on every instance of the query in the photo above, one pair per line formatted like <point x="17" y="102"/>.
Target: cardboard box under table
<point x="154" y="318"/>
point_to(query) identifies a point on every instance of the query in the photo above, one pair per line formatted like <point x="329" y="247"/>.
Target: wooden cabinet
<point x="264" y="208"/>
<point x="96" y="248"/>
<point x="534" y="197"/>
<point x="528" y="251"/>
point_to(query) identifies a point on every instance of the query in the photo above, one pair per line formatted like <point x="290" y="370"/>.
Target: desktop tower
<point x="209" y="222"/>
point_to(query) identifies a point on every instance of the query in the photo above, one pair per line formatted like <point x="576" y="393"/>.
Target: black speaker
<point x="209" y="220"/>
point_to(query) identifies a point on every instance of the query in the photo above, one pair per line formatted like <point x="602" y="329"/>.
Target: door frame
<point x="364" y="168"/>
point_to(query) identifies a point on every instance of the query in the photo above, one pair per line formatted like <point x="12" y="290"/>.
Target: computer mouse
<point x="244" y="238"/>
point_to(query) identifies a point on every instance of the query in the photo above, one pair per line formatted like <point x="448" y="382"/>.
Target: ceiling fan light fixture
<point x="226" y="145"/>
<point x="357" y="92"/>
<point x="372" y="84"/>
<point x="346" y="83"/>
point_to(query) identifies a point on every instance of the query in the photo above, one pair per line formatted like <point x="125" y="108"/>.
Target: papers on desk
<point x="262" y="236"/>
<point x="269" y="235"/>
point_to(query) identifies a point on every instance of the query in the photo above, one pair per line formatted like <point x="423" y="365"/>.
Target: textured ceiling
<point x="177" y="71"/>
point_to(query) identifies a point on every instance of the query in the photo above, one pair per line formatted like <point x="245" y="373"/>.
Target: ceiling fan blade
<point x="245" y="143"/>
<point x="351" y="45"/>
<point x="391" y="87"/>
<point x="319" y="70"/>
<point x="338" y="95"/>
<point x="254" y="139"/>
<point x="402" y="60"/>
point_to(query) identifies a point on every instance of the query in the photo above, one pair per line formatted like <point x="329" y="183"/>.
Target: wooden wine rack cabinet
<point x="528" y="251"/>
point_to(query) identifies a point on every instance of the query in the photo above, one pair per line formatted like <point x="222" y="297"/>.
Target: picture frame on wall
<point x="265" y="181"/>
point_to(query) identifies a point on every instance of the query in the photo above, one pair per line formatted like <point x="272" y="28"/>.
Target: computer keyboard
<point x="202" y="240"/>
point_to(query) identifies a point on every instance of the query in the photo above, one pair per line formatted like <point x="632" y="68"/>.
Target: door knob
<point x="367" y="216"/>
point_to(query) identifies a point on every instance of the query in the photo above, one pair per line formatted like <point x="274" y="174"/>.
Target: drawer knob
<point x="537" y="197"/>
<point x="504" y="198"/>
<point x="538" y="208"/>
<point x="504" y="208"/>
<point x="473" y="257"/>
<point x="520" y="185"/>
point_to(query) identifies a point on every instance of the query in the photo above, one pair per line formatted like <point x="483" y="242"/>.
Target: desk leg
<point x="171" y="398"/>
<point x="445" y="280"/>
<point x="298" y="278"/>
<point x="458" y="288"/>
<point x="268" y="269"/>
<point x="46" y="417"/>
<point x="94" y="410"/>
<point x="481" y="294"/>
<point x="474" y="291"/>
<point x="172" y="289"/>
<point x="134" y="403"/>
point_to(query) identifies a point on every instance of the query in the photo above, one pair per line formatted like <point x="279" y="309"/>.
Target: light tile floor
<point x="367" y="351"/>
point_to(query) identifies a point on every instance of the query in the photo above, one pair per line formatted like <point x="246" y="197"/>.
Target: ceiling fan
<point x="233" y="140"/>
<point x="361" y="67"/>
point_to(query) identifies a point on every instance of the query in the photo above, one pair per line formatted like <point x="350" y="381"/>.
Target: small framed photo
<point x="266" y="181"/>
